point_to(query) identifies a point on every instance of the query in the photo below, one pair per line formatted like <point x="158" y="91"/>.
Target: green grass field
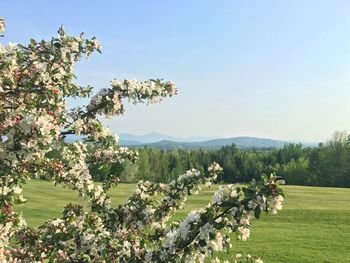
<point x="314" y="225"/>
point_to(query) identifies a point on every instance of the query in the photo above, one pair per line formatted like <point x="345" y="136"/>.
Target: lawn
<point x="314" y="225"/>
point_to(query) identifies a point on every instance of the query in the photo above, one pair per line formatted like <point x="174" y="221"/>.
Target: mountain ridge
<point x="244" y="142"/>
<point x="153" y="137"/>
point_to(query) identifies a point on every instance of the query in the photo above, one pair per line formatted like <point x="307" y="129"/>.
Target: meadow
<point x="313" y="226"/>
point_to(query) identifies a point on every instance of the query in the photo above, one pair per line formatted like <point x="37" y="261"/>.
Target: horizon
<point x="260" y="69"/>
<point x="202" y="138"/>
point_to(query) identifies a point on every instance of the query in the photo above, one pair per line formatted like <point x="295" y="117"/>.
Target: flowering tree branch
<point x="35" y="81"/>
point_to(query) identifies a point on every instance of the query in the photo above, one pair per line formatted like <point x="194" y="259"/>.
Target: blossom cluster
<point x="108" y="102"/>
<point x="35" y="82"/>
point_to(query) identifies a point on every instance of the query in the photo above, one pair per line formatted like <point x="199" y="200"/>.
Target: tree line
<point x="328" y="164"/>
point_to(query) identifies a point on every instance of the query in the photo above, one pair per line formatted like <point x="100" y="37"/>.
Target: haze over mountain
<point x="168" y="142"/>
<point x="153" y="137"/>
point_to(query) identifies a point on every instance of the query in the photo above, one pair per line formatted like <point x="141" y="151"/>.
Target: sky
<point x="276" y="69"/>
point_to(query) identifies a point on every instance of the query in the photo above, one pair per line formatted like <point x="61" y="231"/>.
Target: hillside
<point x="244" y="142"/>
<point x="156" y="140"/>
<point x="306" y="210"/>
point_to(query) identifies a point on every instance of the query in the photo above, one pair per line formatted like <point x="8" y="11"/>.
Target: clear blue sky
<point x="278" y="69"/>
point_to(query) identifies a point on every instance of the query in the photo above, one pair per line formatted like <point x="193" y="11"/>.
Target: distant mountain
<point x="130" y="143"/>
<point x="146" y="138"/>
<point x="126" y="138"/>
<point x="240" y="142"/>
<point x="157" y="140"/>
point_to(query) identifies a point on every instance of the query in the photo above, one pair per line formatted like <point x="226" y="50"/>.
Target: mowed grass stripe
<point x="314" y="225"/>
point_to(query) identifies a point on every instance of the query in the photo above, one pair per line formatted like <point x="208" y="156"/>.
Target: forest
<point x="328" y="164"/>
